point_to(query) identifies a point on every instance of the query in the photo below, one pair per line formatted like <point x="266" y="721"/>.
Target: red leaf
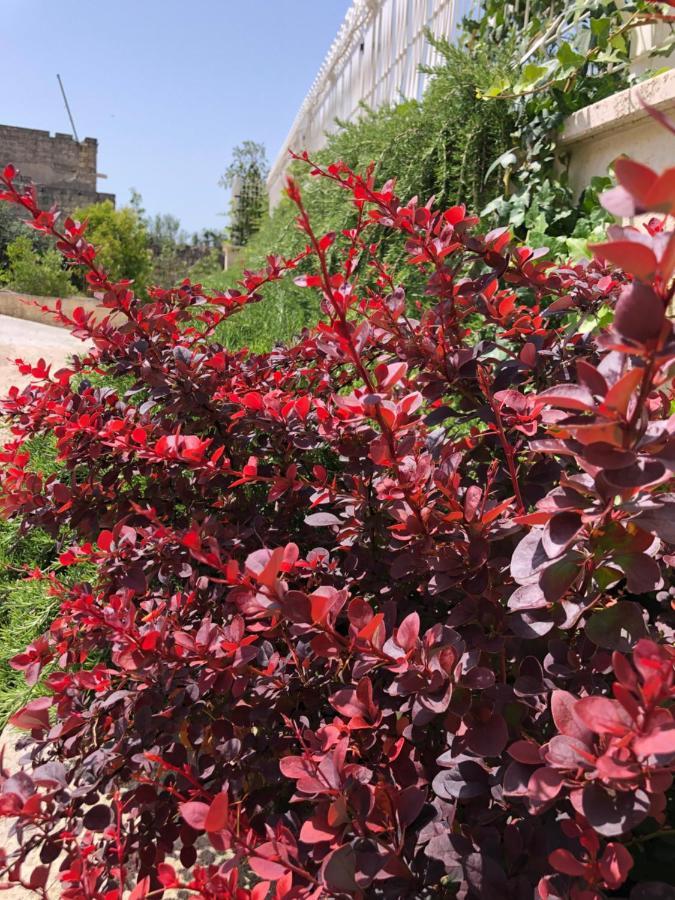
<point x="659" y="741"/>
<point x="564" y="712"/>
<point x="408" y="631"/>
<point x="195" y="814"/>
<point x="141" y="890"/>
<point x="544" y="785"/>
<point x="217" y="816"/>
<point x="635" y="258"/>
<point x="167" y="875"/>
<point x="526" y="752"/>
<point x="269" y="869"/>
<point x="615" y="864"/>
<point x="636" y="178"/>
<point x="603" y="716"/>
<point x="639" y="313"/>
<point x="105" y="540"/>
<point x="563" y="861"/>
<point x="33" y="716"/>
<point x="568" y="396"/>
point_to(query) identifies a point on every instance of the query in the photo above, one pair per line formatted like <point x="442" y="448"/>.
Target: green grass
<point x="26" y="609"/>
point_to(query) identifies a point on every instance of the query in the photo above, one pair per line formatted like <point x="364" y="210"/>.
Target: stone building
<point x="63" y="170"/>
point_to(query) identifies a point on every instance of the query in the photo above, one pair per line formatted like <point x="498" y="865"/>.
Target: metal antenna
<point x="70" y="115"/>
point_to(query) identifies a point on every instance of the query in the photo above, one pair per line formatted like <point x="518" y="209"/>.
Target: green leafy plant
<point x="564" y="56"/>
<point x="122" y="238"/>
<point x="34" y="272"/>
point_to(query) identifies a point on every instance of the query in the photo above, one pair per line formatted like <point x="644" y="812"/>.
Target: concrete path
<point x="32" y="341"/>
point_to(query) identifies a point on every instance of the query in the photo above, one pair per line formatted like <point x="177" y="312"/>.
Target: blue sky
<point x="167" y="86"/>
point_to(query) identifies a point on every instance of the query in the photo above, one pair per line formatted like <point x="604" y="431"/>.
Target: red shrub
<point x="376" y="613"/>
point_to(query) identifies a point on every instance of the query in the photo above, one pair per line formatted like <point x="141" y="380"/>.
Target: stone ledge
<point x="621" y="110"/>
<point x="23" y="306"/>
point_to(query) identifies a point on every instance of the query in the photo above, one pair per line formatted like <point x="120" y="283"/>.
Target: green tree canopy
<point x="121" y="238"/>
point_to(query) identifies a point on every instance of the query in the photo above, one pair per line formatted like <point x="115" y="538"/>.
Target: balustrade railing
<point x="375" y="59"/>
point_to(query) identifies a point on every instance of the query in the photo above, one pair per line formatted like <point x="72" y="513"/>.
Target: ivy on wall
<point x="564" y="56"/>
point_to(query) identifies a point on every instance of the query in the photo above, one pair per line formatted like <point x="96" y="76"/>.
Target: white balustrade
<point x="375" y="59"/>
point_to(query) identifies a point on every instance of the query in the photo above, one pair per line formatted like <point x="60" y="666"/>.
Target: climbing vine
<point x="564" y="56"/>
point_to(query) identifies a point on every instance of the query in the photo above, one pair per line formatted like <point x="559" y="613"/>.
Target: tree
<point x="245" y="177"/>
<point x="121" y="237"/>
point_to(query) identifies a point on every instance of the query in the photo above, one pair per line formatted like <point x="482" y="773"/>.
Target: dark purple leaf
<point x="528" y="596"/>
<point x="488" y="738"/>
<point x="485" y="876"/>
<point x="528" y="557"/>
<point x="559" y="532"/>
<point x="97" y="818"/>
<point x="465" y="781"/>
<point x="558" y="577"/>
<point x="660" y="520"/>
<point x="321" y="520"/>
<point x="409" y="804"/>
<point x="605" y="456"/>
<point x="618" y="627"/>
<point x="612" y="813"/>
<point x="339" y="870"/>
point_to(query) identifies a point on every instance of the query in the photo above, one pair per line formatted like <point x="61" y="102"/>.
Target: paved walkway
<point x="32" y="341"/>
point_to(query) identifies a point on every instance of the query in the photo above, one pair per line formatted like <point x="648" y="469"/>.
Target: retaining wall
<point x="22" y="306"/>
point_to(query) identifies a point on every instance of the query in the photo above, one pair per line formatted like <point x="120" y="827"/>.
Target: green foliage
<point x="441" y="146"/>
<point x="165" y="238"/>
<point x="565" y="56"/>
<point x="26" y="608"/>
<point x="172" y="251"/>
<point x="589" y="217"/>
<point x="11" y="227"/>
<point x="33" y="272"/>
<point x="485" y="133"/>
<point x="121" y="239"/>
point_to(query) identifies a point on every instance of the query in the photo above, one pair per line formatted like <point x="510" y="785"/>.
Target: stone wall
<point x="63" y="170"/>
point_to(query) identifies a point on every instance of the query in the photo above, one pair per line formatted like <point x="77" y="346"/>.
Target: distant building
<point x="63" y="170"/>
<point x="375" y="59"/>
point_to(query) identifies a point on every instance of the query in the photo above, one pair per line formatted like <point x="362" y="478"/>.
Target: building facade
<point x="63" y="169"/>
<point x="375" y="59"/>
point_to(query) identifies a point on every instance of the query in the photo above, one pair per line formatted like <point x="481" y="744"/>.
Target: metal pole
<point x="70" y="115"/>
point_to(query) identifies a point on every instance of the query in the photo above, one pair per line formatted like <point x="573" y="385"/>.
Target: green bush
<point x="26" y="608"/>
<point x="11" y="226"/>
<point x="121" y="238"/>
<point x="34" y="272"/>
